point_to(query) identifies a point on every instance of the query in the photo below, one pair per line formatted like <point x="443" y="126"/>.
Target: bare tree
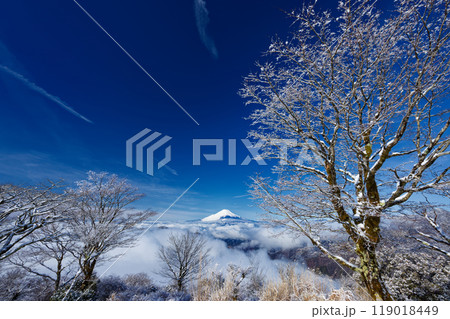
<point x="24" y="211"/>
<point x="184" y="257"/>
<point x="103" y="220"/>
<point x="50" y="259"/>
<point x="358" y="99"/>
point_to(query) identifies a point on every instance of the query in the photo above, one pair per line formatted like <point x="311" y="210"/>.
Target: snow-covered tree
<point x="357" y="98"/>
<point x="184" y="256"/>
<point x="50" y="259"/>
<point x="26" y="210"/>
<point x="103" y="219"/>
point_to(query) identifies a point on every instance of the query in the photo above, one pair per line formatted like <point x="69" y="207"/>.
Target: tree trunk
<point x="366" y="246"/>
<point x="58" y="275"/>
<point x="370" y="271"/>
<point x="88" y="273"/>
<point x="180" y="284"/>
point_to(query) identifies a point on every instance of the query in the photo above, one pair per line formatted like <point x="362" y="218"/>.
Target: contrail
<point x="136" y="62"/>
<point x="43" y="92"/>
<point x="202" y="20"/>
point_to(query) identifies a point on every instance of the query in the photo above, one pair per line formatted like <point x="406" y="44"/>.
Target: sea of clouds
<point x="254" y="240"/>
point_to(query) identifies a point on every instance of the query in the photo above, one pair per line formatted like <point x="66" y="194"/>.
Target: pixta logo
<point x="141" y="150"/>
<point x="143" y="146"/>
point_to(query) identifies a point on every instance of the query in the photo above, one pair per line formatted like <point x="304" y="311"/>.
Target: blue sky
<point x="70" y="98"/>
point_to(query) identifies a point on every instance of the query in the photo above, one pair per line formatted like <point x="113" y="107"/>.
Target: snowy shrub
<point x="306" y="286"/>
<point x="15" y="284"/>
<point x="231" y="287"/>
<point x="140" y="287"/>
<point x="253" y="285"/>
<point x="234" y="282"/>
<point x="416" y="275"/>
<point x="76" y="291"/>
<point x="138" y="280"/>
<point x="152" y="294"/>
<point x="208" y="285"/>
<point x="249" y="284"/>
<point x="109" y="285"/>
<point x="162" y="295"/>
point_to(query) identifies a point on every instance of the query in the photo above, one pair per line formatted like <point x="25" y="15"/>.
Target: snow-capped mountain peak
<point x="224" y="213"/>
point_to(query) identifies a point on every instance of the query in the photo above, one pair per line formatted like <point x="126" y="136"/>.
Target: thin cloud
<point x="43" y="92"/>
<point x="202" y="20"/>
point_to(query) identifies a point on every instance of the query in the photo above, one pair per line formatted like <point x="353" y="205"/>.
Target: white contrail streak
<point x="43" y="92"/>
<point x="136" y="62"/>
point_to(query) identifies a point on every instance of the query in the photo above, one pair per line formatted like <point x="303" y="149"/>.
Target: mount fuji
<point x="224" y="214"/>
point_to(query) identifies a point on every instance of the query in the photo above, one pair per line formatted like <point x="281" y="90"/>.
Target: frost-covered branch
<point x="368" y="93"/>
<point x="24" y="211"/>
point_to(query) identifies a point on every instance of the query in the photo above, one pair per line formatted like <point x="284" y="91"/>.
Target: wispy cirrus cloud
<point x="202" y="20"/>
<point x="43" y="92"/>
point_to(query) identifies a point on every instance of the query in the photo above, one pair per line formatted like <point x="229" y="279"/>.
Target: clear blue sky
<point x="51" y="50"/>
